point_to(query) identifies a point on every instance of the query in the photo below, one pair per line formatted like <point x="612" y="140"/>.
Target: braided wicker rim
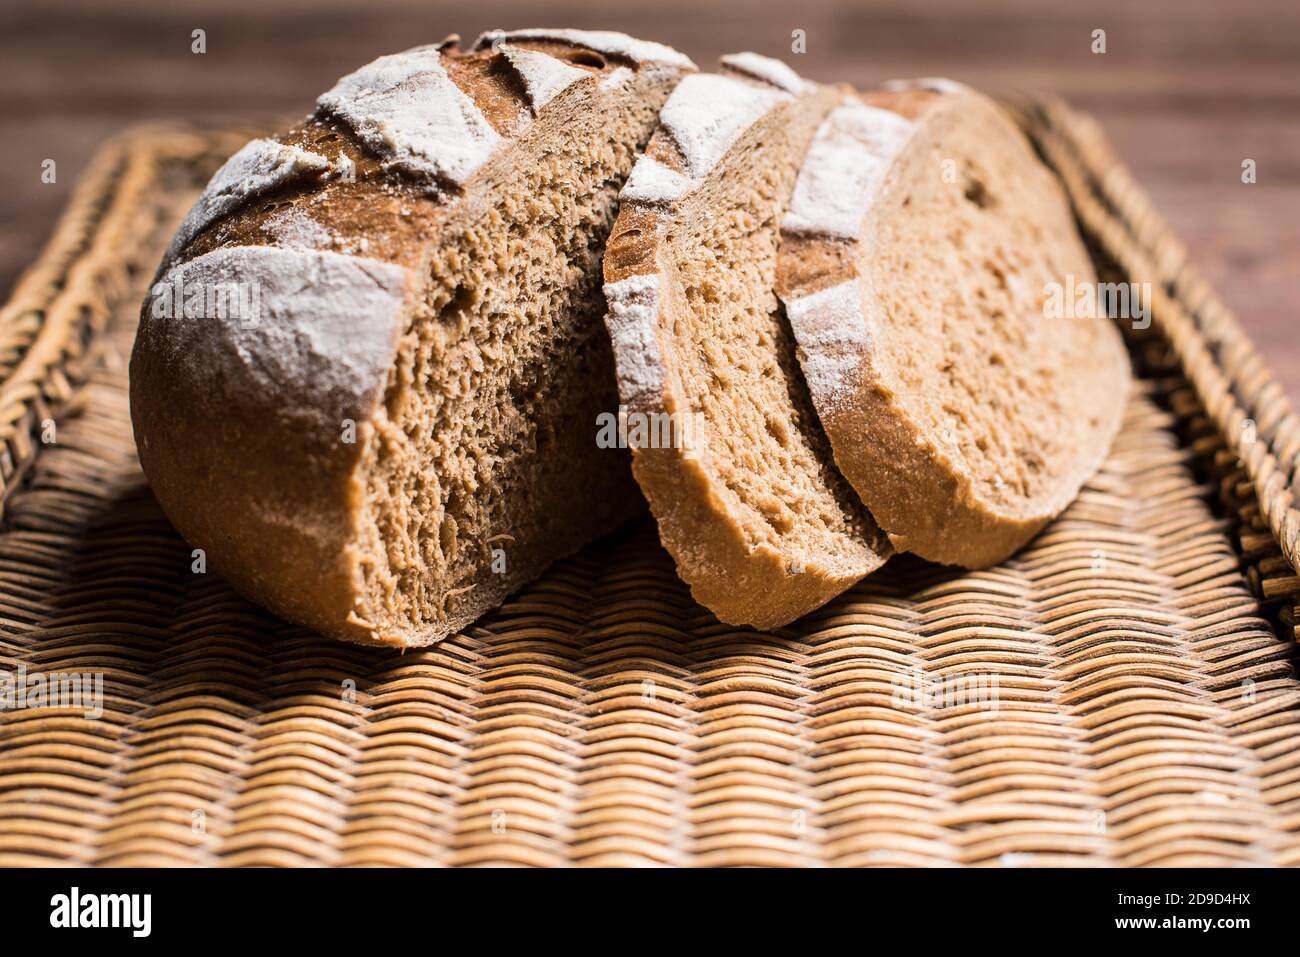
<point x="1149" y="713"/>
<point x="1250" y="409"/>
<point x="59" y="304"/>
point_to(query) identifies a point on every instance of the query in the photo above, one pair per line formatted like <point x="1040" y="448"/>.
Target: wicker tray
<point x="1147" y="708"/>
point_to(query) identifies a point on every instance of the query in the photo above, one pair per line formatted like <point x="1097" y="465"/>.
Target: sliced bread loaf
<point x="918" y="254"/>
<point x="393" y="426"/>
<point x="747" y="498"/>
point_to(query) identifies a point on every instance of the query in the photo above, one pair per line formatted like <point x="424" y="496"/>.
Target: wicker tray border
<point x="57" y="305"/>
<point x="1249" y="409"/>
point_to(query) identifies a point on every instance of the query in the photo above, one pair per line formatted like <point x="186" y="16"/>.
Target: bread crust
<point x="740" y="581"/>
<point x="926" y="500"/>
<point x="242" y="437"/>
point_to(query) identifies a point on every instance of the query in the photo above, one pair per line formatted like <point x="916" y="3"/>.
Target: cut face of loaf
<point x="747" y="498"/>
<point x="400" y="430"/>
<point x="917" y="259"/>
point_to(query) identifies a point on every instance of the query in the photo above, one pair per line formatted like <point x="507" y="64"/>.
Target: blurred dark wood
<point x="1186" y="90"/>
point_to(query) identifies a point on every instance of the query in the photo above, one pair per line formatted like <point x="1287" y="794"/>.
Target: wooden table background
<point x="1186" y="90"/>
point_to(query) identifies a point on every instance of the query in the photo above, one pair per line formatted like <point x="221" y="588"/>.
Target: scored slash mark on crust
<point x="935" y="84"/>
<point x="708" y="112"/>
<point x="544" y="77"/>
<point x="602" y="41"/>
<point x="259" y="167"/>
<point x="405" y="107"/>
<point x="769" y="71"/>
<point x="704" y="117"/>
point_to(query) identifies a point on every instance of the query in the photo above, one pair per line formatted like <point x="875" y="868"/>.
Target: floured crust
<point x="262" y="166"/>
<point x="640" y="53"/>
<point x="741" y="581"/>
<point x="251" y="434"/>
<point x="406" y="108"/>
<point x="917" y="484"/>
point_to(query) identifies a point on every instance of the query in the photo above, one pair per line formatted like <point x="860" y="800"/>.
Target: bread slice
<point x="760" y="524"/>
<point x="922" y="239"/>
<point x="400" y="431"/>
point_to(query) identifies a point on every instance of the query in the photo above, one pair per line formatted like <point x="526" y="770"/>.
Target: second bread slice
<point x="747" y="498"/>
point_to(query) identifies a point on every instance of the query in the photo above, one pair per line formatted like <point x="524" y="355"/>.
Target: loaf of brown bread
<point x="760" y="524"/>
<point x="367" y="380"/>
<point x="919" y="251"/>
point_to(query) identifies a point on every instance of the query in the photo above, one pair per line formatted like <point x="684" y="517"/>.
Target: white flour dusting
<point x="295" y="229"/>
<point x="844" y="167"/>
<point x="769" y="71"/>
<point x="653" y="182"/>
<point x="319" y="326"/>
<point x="406" y="108"/>
<point x="616" y="79"/>
<point x="544" y="76"/>
<point x="831" y="331"/>
<point x="602" y="41"/>
<point x="632" y="321"/>
<point x="260" y="167"/>
<point x="707" y="113"/>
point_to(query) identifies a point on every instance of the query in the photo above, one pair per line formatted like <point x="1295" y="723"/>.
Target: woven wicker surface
<point x="1147" y="711"/>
